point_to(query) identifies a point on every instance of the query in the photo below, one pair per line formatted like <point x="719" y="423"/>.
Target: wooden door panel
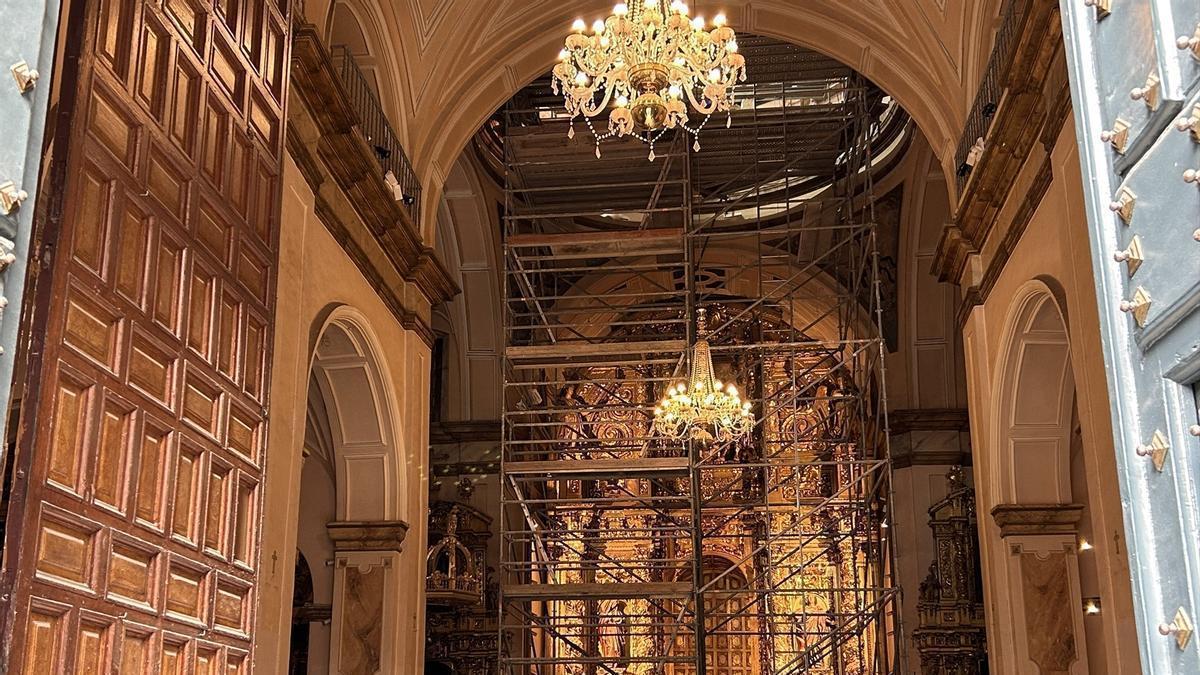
<point x="140" y="516"/>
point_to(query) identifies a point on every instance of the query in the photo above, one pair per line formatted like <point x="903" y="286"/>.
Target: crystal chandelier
<point x="701" y="408"/>
<point x="649" y="60"/>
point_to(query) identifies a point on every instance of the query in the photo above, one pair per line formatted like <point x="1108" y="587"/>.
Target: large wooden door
<point x="1135" y="84"/>
<point x="134" y="535"/>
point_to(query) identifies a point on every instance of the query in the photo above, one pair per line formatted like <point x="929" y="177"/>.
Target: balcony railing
<point x="377" y="131"/>
<point x="991" y="89"/>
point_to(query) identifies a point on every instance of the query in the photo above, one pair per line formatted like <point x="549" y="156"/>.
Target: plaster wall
<point x="1053" y="253"/>
<point x="915" y="489"/>
<point x="317" y="278"/>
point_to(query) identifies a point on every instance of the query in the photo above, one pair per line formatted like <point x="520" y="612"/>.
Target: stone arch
<point x="916" y="69"/>
<point x="1032" y="572"/>
<point x="1036" y="397"/>
<point x="468" y="244"/>
<point x="349" y="370"/>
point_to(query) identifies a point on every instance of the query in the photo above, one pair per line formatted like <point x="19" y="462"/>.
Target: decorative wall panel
<point x="138" y="543"/>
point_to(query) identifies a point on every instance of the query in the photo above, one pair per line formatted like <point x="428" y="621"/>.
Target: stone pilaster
<point x="367" y="597"/>
<point x="1042" y="546"/>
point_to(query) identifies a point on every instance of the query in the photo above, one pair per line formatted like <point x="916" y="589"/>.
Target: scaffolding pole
<point x="626" y="552"/>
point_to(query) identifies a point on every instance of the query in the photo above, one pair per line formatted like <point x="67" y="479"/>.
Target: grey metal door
<point x="1135" y="82"/>
<point x="27" y="54"/>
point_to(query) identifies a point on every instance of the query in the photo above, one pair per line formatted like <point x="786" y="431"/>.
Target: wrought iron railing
<point x="991" y="89"/>
<point x="377" y="131"/>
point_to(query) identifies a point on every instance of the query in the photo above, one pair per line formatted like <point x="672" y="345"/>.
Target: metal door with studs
<point x="1135" y="84"/>
<point x="24" y="101"/>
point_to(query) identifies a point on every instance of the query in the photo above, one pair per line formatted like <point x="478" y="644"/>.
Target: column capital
<point x="378" y="535"/>
<point x="1035" y="519"/>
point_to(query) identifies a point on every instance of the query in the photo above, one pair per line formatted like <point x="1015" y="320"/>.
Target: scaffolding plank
<point x="550" y="592"/>
<point x="604" y="244"/>
<point x="566" y="350"/>
<point x="602" y="468"/>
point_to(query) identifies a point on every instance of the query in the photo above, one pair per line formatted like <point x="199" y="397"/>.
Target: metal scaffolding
<point x="623" y="551"/>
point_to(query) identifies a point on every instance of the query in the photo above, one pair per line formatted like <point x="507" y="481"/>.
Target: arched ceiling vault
<point x="459" y="60"/>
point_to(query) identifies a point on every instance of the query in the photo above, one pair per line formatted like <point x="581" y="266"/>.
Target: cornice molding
<point x="952" y="253"/>
<point x="432" y="277"/>
<point x="1031" y="110"/>
<point x="1037" y="519"/>
<point x="904" y="458"/>
<point x="906" y="423"/>
<point x="349" y="161"/>
<point x="929" y="419"/>
<point x="407" y="319"/>
<point x="441" y="433"/>
<point x="977" y="295"/>
<point x="382" y="535"/>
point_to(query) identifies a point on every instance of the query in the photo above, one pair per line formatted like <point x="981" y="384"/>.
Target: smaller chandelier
<point x="649" y="60"/>
<point x="702" y="408"/>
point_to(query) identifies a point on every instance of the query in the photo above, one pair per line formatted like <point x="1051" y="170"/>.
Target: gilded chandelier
<point x="702" y="408"/>
<point x="649" y="60"/>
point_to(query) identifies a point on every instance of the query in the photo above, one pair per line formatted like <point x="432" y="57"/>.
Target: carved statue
<point x="614" y="636"/>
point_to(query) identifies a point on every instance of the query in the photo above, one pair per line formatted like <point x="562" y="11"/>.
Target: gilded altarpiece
<point x="787" y="561"/>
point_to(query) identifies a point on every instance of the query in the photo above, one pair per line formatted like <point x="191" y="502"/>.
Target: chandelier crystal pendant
<point x="649" y="60"/>
<point x="702" y="408"/>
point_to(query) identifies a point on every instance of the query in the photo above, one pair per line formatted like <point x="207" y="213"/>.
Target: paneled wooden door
<point x="133" y="541"/>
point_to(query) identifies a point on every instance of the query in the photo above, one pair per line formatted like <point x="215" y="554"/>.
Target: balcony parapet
<point x="375" y="228"/>
<point x="1022" y="103"/>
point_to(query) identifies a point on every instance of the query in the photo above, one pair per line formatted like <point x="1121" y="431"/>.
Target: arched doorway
<point x="302" y="602"/>
<point x="350" y="524"/>
<point x="731" y="644"/>
<point x="1037" y="570"/>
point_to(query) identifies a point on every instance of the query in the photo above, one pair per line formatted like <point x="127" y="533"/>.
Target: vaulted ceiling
<point x="448" y="64"/>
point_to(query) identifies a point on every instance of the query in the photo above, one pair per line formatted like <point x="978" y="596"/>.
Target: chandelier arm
<point x="701" y="68"/>
<point x="704" y="109"/>
<point x="594" y="67"/>
<point x="595" y="109"/>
